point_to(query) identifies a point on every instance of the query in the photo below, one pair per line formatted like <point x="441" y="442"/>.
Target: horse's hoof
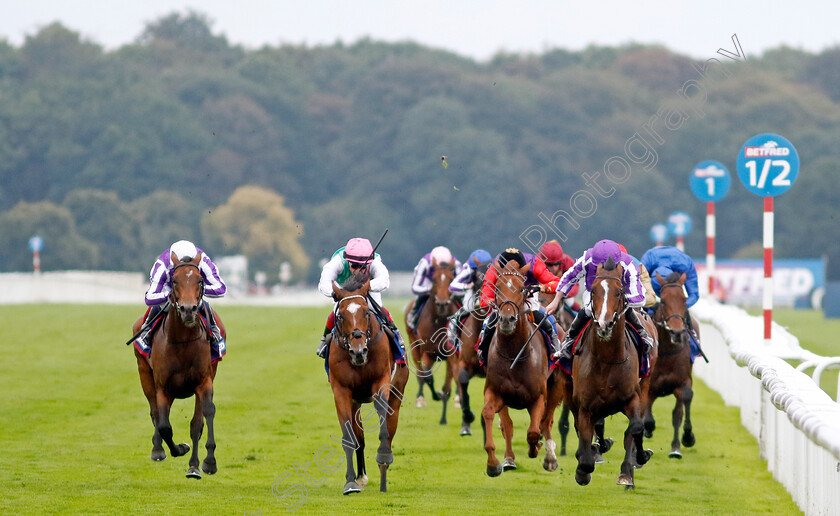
<point x="625" y="480"/>
<point x="675" y="454"/>
<point x="183" y="449"/>
<point x="466" y="430"/>
<point x="648" y="434"/>
<point x="688" y="440"/>
<point x="352" y="487"/>
<point x="494" y="471"/>
<point x="550" y="465"/>
<point x="508" y="464"/>
<point x="457" y="402"/>
<point x="582" y="478"/>
<point x="599" y="459"/>
<point x="630" y="488"/>
<point x="209" y="468"/>
<point x="421" y="402"/>
<point x="606" y="445"/>
<point x="194" y="473"/>
<point x="647" y="454"/>
<point x="384" y="458"/>
<point x="442" y="421"/>
<point x="158" y="455"/>
<point x="436" y="395"/>
<point x="362" y="481"/>
<point x="469" y="416"/>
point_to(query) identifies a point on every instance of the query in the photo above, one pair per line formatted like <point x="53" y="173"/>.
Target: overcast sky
<point x="474" y="28"/>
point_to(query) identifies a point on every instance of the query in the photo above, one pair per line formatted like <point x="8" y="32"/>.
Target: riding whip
<point x="142" y="328"/>
<point x="515" y="360"/>
<point x="373" y="253"/>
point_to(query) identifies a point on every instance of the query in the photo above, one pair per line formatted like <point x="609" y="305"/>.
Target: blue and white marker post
<point x="679" y="225"/>
<point x="36" y="243"/>
<point x="659" y="233"/>
<point x="768" y="165"/>
<point x="710" y="182"/>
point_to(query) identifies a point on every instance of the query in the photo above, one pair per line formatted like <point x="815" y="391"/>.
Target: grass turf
<point x="76" y="436"/>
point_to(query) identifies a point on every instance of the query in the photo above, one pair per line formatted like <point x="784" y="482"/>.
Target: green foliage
<point x="350" y="135"/>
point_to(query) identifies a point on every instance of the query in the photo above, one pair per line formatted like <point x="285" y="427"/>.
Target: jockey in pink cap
<point x="421" y="285"/>
<point x="358" y="257"/>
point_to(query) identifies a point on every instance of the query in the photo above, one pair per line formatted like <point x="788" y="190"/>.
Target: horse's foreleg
<point x="358" y="431"/>
<point x="536" y="410"/>
<point x="492" y="404"/>
<point x="687" y="394"/>
<point x="451" y="367"/>
<point x="467" y="415"/>
<point x="634" y="453"/>
<point x="554" y="398"/>
<point x="585" y="457"/>
<point x="506" y="423"/>
<point x="147" y="382"/>
<point x="563" y="427"/>
<point x="208" y="410"/>
<point x="343" y="407"/>
<point x="384" y="455"/>
<point x="164" y="428"/>
<point x="196" y="429"/>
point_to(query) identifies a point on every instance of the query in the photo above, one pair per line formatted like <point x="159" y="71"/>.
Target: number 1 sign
<point x="768" y="165"/>
<point x="710" y="182"/>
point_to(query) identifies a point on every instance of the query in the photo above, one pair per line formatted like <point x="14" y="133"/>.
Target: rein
<point x="621" y="310"/>
<point x="344" y="338"/>
<point x="200" y="282"/>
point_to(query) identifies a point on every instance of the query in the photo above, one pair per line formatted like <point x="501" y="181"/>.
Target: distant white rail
<point x="796" y="423"/>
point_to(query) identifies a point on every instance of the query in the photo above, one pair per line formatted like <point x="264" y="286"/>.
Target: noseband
<point x="664" y="323"/>
<point x="200" y="282"/>
<point x="344" y="338"/>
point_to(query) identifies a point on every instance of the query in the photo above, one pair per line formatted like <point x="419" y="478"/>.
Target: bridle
<point x="175" y="301"/>
<point x="664" y="323"/>
<point x="345" y="338"/>
<point x="622" y="306"/>
<point x="516" y="305"/>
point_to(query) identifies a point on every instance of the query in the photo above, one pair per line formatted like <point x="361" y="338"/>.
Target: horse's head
<point x="352" y="317"/>
<point x="187" y="288"/>
<point x="672" y="311"/>
<point x="443" y="272"/>
<point x="607" y="297"/>
<point x="511" y="294"/>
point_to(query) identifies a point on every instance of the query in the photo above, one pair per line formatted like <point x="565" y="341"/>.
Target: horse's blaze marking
<point x="353" y="307"/>
<point x="509" y="285"/>
<point x="603" y="315"/>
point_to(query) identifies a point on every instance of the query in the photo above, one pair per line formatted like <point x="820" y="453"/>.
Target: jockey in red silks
<point x="160" y="286"/>
<point x="358" y="256"/>
<point x="584" y="269"/>
<point x="558" y="262"/>
<point x="538" y="274"/>
<point x="421" y="285"/>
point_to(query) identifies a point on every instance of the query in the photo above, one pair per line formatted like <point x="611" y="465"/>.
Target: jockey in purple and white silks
<point x="421" y="285"/>
<point x="160" y="286"/>
<point x="585" y="269"/>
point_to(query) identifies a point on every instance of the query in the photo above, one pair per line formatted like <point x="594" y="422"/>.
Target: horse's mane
<point x="356" y="281"/>
<point x="610" y="264"/>
<point x="673" y="277"/>
<point x="445" y="265"/>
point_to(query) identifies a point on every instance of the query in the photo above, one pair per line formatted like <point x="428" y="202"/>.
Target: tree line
<point x="283" y="153"/>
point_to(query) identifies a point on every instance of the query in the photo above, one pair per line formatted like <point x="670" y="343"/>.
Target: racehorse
<point x="430" y="343"/>
<point x="180" y="366"/>
<point x="605" y="377"/>
<point x="519" y="385"/>
<point x="672" y="373"/>
<point x="468" y="364"/>
<point x="362" y="370"/>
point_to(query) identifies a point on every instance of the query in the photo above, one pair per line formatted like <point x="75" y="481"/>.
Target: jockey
<point x="665" y="260"/>
<point x="358" y="256"/>
<point x="537" y="274"/>
<point x="644" y="277"/>
<point x="584" y="269"/>
<point x="160" y="286"/>
<point x="421" y="285"/>
<point x="465" y="284"/>
<point x="557" y="262"/>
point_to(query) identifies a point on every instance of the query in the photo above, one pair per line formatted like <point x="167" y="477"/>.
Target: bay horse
<point x="362" y="370"/>
<point x="521" y="385"/>
<point x="179" y="366"/>
<point x="468" y="363"/>
<point x="429" y="343"/>
<point x="605" y="377"/>
<point x="672" y="373"/>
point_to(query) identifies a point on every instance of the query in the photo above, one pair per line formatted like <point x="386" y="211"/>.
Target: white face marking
<point x="603" y="315"/>
<point x="189" y="273"/>
<point x="353" y="307"/>
<point x="441" y="276"/>
<point x="509" y="285"/>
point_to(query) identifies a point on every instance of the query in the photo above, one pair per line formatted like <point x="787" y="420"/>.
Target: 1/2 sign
<point x="768" y="165"/>
<point x="710" y="181"/>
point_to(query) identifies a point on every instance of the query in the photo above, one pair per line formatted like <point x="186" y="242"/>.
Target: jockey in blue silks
<point x="664" y="260"/>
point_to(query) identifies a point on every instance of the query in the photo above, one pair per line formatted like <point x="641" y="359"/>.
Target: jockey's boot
<point x="414" y="314"/>
<point x="486" y="337"/>
<point x="547" y="323"/>
<point x="396" y="340"/>
<point x="144" y="340"/>
<point x="574" y="330"/>
<point x="217" y="340"/>
<point x="633" y="318"/>
<point x="324" y="345"/>
<point x="452" y="327"/>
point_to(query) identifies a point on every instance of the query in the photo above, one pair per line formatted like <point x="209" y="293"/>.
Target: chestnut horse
<point x="672" y="374"/>
<point x="179" y="366"/>
<point x="605" y="377"/>
<point x="519" y="385"/>
<point x="362" y="370"/>
<point x="430" y="343"/>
